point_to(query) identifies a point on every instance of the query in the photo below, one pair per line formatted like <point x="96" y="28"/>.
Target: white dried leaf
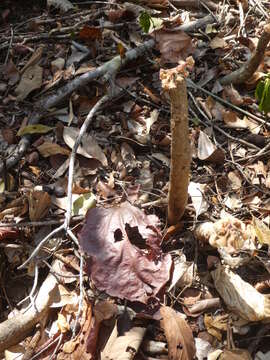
<point x="239" y="296"/>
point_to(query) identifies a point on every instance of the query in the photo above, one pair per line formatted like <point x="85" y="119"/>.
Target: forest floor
<point x="91" y="267"/>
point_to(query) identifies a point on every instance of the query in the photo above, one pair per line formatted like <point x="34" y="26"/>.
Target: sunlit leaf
<point x="34" y="129"/>
<point x="262" y="94"/>
<point x="83" y="203"/>
<point x="262" y="231"/>
<point x="145" y="21"/>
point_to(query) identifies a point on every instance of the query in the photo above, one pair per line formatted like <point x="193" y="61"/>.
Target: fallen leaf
<point x="83" y="203"/>
<point x="48" y="149"/>
<point x="123" y="347"/>
<point x="239" y="296"/>
<point x="31" y="80"/>
<point x="218" y="43"/>
<point x="262" y="231"/>
<point x="62" y="5"/>
<point x="181" y="344"/>
<point x="39" y="204"/>
<point x="207" y="151"/>
<point x="34" y="129"/>
<point x="173" y="45"/>
<point x="88" y="148"/>
<point x="196" y="192"/>
<point x="116" y="265"/>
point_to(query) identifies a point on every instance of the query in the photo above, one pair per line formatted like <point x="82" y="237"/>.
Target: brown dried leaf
<point x="48" y="149"/>
<point x="218" y="43"/>
<point x="88" y="148"/>
<point x="11" y="73"/>
<point x="31" y="80"/>
<point x="39" y="204"/>
<point x="174" y="46"/>
<point x="180" y="339"/>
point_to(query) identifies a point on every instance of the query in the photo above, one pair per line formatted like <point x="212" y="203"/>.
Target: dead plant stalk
<point x="175" y="84"/>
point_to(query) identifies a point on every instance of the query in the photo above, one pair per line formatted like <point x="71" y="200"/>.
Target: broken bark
<point x="174" y="82"/>
<point x="243" y="74"/>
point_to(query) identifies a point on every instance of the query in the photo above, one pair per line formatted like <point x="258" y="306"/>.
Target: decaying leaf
<point x="39" y="204"/>
<point x="208" y="151"/>
<point x="48" y="149"/>
<point x="88" y="148"/>
<point x="31" y="80"/>
<point x="63" y="5"/>
<point x="173" y="45"/>
<point x="34" y="129"/>
<point x="196" y="192"/>
<point x="178" y="334"/>
<point x="123" y="347"/>
<point x="116" y="265"/>
<point x="215" y="325"/>
<point x="262" y="231"/>
<point x="239" y="296"/>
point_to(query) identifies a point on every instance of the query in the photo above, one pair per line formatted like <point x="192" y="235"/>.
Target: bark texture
<point x="175" y="84"/>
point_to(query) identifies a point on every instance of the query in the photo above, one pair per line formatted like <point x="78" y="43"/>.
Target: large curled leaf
<point x="116" y="265"/>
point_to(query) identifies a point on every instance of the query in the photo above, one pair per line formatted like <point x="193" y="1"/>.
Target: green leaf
<point x="145" y="21"/>
<point x="34" y="129"/>
<point x="262" y="94"/>
<point x="83" y="203"/>
<point x="259" y="90"/>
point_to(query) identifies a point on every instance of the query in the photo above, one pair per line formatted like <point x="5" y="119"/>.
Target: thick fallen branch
<point x="195" y="4"/>
<point x="247" y="70"/>
<point x="41" y="107"/>
<point x="14" y="330"/>
<point x="106" y="70"/>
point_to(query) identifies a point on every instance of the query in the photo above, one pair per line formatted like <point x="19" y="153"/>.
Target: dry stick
<point x="14" y="330"/>
<point x="175" y="84"/>
<point x="195" y="4"/>
<point x="241" y="141"/>
<point x="247" y="70"/>
<point x="222" y="101"/>
<point x="83" y="129"/>
<point x="63" y="93"/>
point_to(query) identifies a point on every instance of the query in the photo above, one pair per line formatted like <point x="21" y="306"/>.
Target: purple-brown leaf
<point x="116" y="265"/>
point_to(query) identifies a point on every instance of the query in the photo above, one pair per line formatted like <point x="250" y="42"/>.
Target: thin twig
<point x="224" y="102"/>
<point x="218" y="128"/>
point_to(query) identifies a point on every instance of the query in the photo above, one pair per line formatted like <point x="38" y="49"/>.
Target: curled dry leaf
<point x="115" y="264"/>
<point x="173" y="45"/>
<point x="215" y="325"/>
<point x="39" y="204"/>
<point x="180" y="339"/>
<point x="88" y="148"/>
<point x="123" y="347"/>
<point x="196" y="192"/>
<point x="229" y="233"/>
<point x="48" y="149"/>
<point x="239" y="296"/>
<point x="208" y="151"/>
